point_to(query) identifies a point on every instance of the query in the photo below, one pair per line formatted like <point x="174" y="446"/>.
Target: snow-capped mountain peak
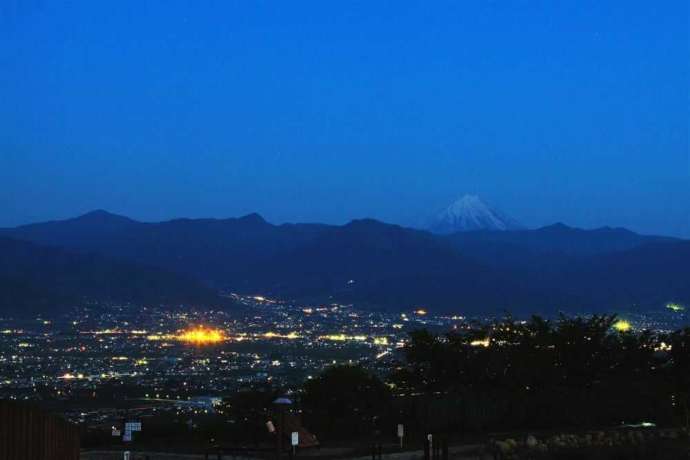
<point x="471" y="213"/>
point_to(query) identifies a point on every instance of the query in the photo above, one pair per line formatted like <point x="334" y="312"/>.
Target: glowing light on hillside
<point x="480" y="343"/>
<point x="420" y="312"/>
<point x="275" y="335"/>
<point x="675" y="307"/>
<point x="201" y="336"/>
<point x="156" y="337"/>
<point x="622" y="325"/>
<point x="343" y="337"/>
<point x="663" y="346"/>
<point x="68" y="376"/>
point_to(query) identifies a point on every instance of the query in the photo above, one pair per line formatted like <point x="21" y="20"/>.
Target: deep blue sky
<point x="574" y="111"/>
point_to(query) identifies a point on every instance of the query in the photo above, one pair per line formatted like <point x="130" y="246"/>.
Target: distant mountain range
<point x="370" y="263"/>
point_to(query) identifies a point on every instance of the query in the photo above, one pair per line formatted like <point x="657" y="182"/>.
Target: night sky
<point x="572" y="111"/>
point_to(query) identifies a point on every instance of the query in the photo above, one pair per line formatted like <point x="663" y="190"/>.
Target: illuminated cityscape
<point x="170" y="359"/>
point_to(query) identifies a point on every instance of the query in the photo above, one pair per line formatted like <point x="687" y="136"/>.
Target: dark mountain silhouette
<point x="212" y="250"/>
<point x="381" y="265"/>
<point x="538" y="254"/>
<point x="37" y="278"/>
<point x="648" y="275"/>
<point x="557" y="239"/>
<point x="82" y="231"/>
<point x="370" y="262"/>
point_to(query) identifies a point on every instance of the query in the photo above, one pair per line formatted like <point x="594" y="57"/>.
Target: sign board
<point x="116" y="432"/>
<point x="295" y="438"/>
<point x="133" y="426"/>
<point x="127" y="437"/>
<point x="401" y="430"/>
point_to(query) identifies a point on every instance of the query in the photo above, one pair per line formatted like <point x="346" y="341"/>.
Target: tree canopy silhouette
<point x="345" y="401"/>
<point x="580" y="372"/>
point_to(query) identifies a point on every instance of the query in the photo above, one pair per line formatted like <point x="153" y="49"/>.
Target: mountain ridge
<point x="44" y="279"/>
<point x="391" y="266"/>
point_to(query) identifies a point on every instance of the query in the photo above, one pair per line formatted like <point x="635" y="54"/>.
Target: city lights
<point x="201" y="336"/>
<point x="480" y="343"/>
<point x="622" y="325"/>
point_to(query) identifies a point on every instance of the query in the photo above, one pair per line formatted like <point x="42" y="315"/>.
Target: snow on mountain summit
<point x="471" y="213"/>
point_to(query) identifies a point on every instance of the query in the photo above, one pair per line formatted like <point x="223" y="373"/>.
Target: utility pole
<point x="282" y="403"/>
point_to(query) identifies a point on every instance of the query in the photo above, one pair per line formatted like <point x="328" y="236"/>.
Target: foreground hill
<point x="36" y="279"/>
<point x="386" y="266"/>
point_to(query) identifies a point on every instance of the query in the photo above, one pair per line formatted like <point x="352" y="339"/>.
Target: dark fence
<point x="232" y="453"/>
<point x="28" y="433"/>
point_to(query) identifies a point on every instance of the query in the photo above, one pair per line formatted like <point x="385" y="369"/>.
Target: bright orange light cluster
<point x="201" y="336"/>
<point x="622" y="325"/>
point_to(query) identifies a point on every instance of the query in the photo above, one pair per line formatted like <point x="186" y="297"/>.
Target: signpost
<point x="130" y="427"/>
<point x="294" y="441"/>
<point x="133" y="426"/>
<point x="401" y="433"/>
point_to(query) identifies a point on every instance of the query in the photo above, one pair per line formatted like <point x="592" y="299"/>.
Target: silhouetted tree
<point x="540" y="373"/>
<point x="345" y="401"/>
<point x="680" y="356"/>
<point x="248" y="410"/>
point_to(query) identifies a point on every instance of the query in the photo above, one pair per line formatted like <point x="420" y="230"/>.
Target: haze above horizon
<point x="309" y="112"/>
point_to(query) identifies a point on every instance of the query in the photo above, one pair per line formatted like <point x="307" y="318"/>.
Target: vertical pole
<point x="282" y="432"/>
